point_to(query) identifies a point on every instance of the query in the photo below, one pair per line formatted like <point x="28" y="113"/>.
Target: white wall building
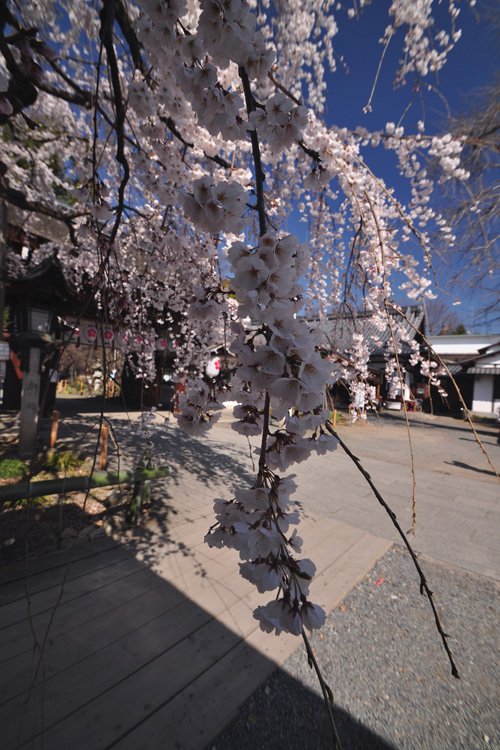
<point x="486" y="371"/>
<point x="479" y="356"/>
<point x="458" y="348"/>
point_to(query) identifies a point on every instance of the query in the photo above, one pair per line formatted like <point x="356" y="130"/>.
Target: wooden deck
<point x="148" y="644"/>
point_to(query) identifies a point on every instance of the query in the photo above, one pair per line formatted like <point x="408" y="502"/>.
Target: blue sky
<point x="471" y="64"/>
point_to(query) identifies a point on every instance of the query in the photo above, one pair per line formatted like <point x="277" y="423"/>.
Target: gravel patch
<point x="383" y="659"/>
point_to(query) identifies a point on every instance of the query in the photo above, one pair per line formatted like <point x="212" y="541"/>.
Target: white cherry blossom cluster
<point x="280" y="123"/>
<point x="217" y="109"/>
<point x="228" y="31"/>
<point x="423" y="52"/>
<point x="432" y="372"/>
<point x="141" y="98"/>
<point x="144" y="428"/>
<point x="216" y="208"/>
<point x="302" y="33"/>
<point x="257" y="524"/>
<point x="199" y="409"/>
<point x="279" y="353"/>
<point x="279" y="368"/>
<point x="448" y="151"/>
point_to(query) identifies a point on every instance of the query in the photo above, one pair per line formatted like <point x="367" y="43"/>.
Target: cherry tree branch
<point x="169" y="122"/>
<point x="18" y="199"/>
<point x="106" y="35"/>
<point x="260" y="206"/>
<point x="259" y="172"/>
<point x="284" y="90"/>
<point x="80" y="98"/>
<point x="130" y="37"/>
<point x="86" y="96"/>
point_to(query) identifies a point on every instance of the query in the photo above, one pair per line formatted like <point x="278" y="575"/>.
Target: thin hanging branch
<point x="423" y="582"/>
<point x="259" y="172"/>
<point x="402" y="384"/>
<point x="327" y="693"/>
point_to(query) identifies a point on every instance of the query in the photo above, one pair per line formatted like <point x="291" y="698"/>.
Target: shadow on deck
<point x="110" y="653"/>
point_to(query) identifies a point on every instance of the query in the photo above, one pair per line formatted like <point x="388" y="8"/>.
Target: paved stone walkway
<point x="456" y="490"/>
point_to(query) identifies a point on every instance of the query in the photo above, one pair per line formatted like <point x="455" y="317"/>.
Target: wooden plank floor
<point x="149" y="644"/>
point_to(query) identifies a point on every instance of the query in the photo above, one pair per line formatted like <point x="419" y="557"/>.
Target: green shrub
<point x="33" y="501"/>
<point x="12" y="468"/>
<point x="62" y="462"/>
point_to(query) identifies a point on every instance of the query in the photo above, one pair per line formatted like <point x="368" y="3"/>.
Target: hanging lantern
<point x="108" y="336"/>
<point x="90" y="335"/>
<point x="213" y="367"/>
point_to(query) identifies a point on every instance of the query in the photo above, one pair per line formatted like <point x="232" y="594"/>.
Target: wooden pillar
<point x="103" y="458"/>
<point x="55" y="425"/>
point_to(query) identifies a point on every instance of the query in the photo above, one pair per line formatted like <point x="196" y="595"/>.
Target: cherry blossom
<point x="172" y="166"/>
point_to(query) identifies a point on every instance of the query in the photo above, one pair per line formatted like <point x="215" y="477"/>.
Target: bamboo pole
<point x="24" y="489"/>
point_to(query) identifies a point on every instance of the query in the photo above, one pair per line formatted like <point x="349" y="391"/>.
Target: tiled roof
<point x="338" y="331"/>
<point x="453" y="368"/>
<point x="491" y="370"/>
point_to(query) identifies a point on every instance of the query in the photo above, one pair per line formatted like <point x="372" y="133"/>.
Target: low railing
<point x="139" y="478"/>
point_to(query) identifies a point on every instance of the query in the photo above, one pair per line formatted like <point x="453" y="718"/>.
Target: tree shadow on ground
<point x="132" y="661"/>
<point x="462" y="465"/>
<point x="416" y="420"/>
<point x="203" y="457"/>
<point x="494" y="439"/>
<point x="199" y="471"/>
<point x="283" y="713"/>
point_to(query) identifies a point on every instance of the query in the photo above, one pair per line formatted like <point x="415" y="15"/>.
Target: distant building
<point x="474" y="362"/>
<point x="339" y="334"/>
